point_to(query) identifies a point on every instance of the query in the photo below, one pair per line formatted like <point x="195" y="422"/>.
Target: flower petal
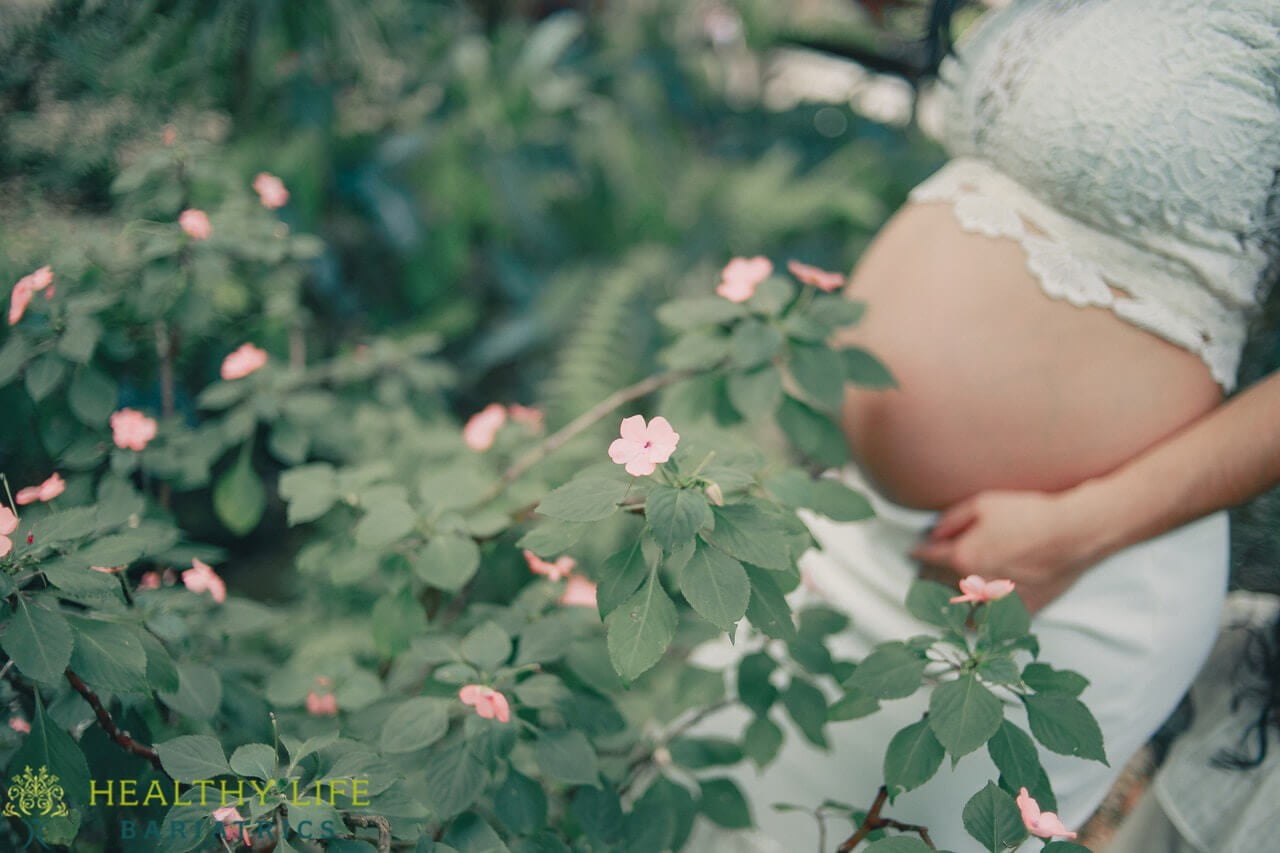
<point x="634" y="429"/>
<point x="624" y="450"/>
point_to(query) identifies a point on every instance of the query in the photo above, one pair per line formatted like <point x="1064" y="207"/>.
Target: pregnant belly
<point x="999" y="386"/>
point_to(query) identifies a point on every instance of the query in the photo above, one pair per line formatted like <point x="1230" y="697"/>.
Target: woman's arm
<point x="1045" y="541"/>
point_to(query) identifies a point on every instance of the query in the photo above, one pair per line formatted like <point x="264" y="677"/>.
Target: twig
<point x="384" y="828"/>
<point x="109" y="725"/>
<point x="580" y="424"/>
<point x="635" y="765"/>
<point x="874" y="822"/>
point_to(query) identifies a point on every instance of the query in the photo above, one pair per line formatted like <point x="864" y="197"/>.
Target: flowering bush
<point x="454" y="672"/>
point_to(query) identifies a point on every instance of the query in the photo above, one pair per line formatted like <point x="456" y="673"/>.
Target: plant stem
<point x="109" y="725"/>
<point x="874" y="822"/>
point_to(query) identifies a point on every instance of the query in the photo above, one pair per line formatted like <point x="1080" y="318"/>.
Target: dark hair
<point x="1258" y="670"/>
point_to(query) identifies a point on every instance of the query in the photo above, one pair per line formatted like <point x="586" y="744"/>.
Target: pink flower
<point x="8" y="524"/>
<point x="741" y="277"/>
<point x="1043" y="824"/>
<point x="19" y="725"/>
<point x="977" y="590"/>
<point x="553" y="571"/>
<point x="132" y="429"/>
<point x="108" y="570"/>
<point x="642" y="447"/>
<point x="169" y="136"/>
<point x="26" y="287"/>
<point x="196" y="224"/>
<point x="202" y="578"/>
<point x="46" y="491"/>
<point x="244" y="360"/>
<point x="819" y="278"/>
<point x="150" y="580"/>
<point x="579" y="592"/>
<point x="270" y="190"/>
<point x="235" y="827"/>
<point x="489" y="703"/>
<point x="322" y="704"/>
<point x="527" y="416"/>
<point x="483" y="426"/>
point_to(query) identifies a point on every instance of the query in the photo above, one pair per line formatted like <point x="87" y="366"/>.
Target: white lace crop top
<point x="1132" y="147"/>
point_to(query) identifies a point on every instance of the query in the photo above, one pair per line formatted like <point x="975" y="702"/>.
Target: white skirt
<point x="1138" y="625"/>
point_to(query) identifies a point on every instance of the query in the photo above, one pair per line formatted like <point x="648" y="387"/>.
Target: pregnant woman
<point x="1064" y="306"/>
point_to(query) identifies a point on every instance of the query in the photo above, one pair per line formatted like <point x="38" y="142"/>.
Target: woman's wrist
<point x="1105" y="518"/>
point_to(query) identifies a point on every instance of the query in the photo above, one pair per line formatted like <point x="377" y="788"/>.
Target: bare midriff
<point x="999" y="385"/>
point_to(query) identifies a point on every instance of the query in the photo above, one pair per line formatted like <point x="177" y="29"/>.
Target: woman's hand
<point x="1042" y="541"/>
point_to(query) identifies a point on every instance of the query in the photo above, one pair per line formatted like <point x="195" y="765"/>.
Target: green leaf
<point x="387" y="521"/>
<point x="992" y="817"/>
<point x="1043" y="678"/>
<point x="551" y="538"/>
<point x="414" y="724"/>
<point x="753" y="343"/>
<point x="192" y="757"/>
<point x="1064" y="847"/>
<point x="716" y="586"/>
<point x="837" y="501"/>
<point x="747" y="533"/>
<point x="109" y="656"/>
<point x="721" y="800"/>
<point x="453" y="778"/>
<point x="92" y="396"/>
<point x="310" y="490"/>
<point x="39" y="641"/>
<point x="520" y="803"/>
<point x="584" y="499"/>
<point x="448" y="561"/>
<point x="768" y="610"/>
<point x="761" y="741"/>
<point x="599" y="812"/>
<point x="863" y="368"/>
<point x="812" y="432"/>
<point x="674" y="516"/>
<point x="288" y="442"/>
<point x="964" y="715"/>
<point x="853" y="705"/>
<point x="44" y="374"/>
<point x="542" y="690"/>
<point x="912" y="758"/>
<point x="696" y="350"/>
<point x="703" y="311"/>
<point x="808" y="708"/>
<point x="754" y="688"/>
<point x="1014" y="755"/>
<point x="567" y="755"/>
<point x="1063" y="724"/>
<point x="620" y="577"/>
<point x="12" y="356"/>
<point x="487" y="646"/>
<point x="162" y="672"/>
<point x="755" y="393"/>
<point x="1004" y="619"/>
<point x="699" y="753"/>
<point x="639" y="630"/>
<point x="238" y="497"/>
<point x="892" y="671"/>
<point x="999" y="669"/>
<point x="397" y="618"/>
<point x="199" y="691"/>
<point x="47" y="745"/>
<point x="546" y="639"/>
<point x="255" y="759"/>
<point x="930" y="602"/>
<point x="820" y="373"/>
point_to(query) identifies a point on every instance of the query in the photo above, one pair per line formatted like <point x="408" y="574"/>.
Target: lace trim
<point x="1065" y="274"/>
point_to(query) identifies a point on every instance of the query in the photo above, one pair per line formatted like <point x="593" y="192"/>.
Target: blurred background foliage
<point x="524" y="178"/>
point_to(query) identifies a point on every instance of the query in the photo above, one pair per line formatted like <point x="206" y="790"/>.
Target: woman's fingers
<point x="955" y="520"/>
<point x="935" y="553"/>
